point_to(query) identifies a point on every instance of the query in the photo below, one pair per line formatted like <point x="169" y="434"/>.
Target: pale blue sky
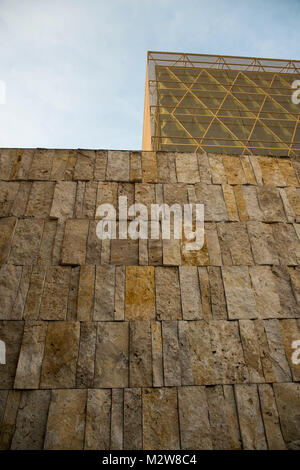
<point x="75" y="69"/>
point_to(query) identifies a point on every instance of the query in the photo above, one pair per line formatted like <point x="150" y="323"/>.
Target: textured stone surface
<point x="143" y="343"/>
<point x="98" y="415"/>
<point x="61" y="352"/>
<point x="194" y="419"/>
<point x="139" y="293"/>
<point x="66" y="420"/>
<point x="160" y="419"/>
<point x="31" y="420"/>
<point x="111" y="360"/>
<point x="31" y="356"/>
<point x="167" y="307"/>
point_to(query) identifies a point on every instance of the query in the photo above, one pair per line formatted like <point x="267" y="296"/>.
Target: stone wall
<point x="130" y="344"/>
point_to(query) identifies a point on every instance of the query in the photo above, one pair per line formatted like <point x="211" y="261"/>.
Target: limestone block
<point x="100" y="165"/>
<point x="73" y="293"/>
<point x="264" y="350"/>
<point x="270" y="204"/>
<point x="168" y="303"/>
<point x="60" y="160"/>
<point x="262" y="243"/>
<point x="70" y="167"/>
<point x="140" y="297"/>
<point x="55" y="296"/>
<point x="94" y="245"/>
<point x="162" y="167"/>
<point x="202" y="357"/>
<point x="230" y="202"/>
<point x="107" y="194"/>
<point x="160" y="419"/>
<point x="136" y="167"/>
<point x="217" y="294"/>
<point x="251" y="351"/>
<point x="85" y="301"/>
<point x="194" y="419"/>
<point x="124" y="252"/>
<point x="63" y="200"/>
<point x="19" y="205"/>
<point x="145" y="194"/>
<point x="11" y="333"/>
<point x="31" y="355"/>
<point x="256" y="169"/>
<point x="293" y="195"/>
<point x="117" y="419"/>
<point x="149" y="167"/>
<point x="89" y="201"/>
<point x="288" y="403"/>
<point x="187" y="168"/>
<point x="280" y="364"/>
<point x="117" y="166"/>
<point x="74" y="242"/>
<point x="234" y="242"/>
<point x="217" y="169"/>
<point x="86" y="355"/>
<point x="84" y="168"/>
<point x="239" y="295"/>
<point x="9" y="283"/>
<point x="26" y="241"/>
<point x="19" y="304"/>
<point x="270" y="417"/>
<point x="232" y="417"/>
<point x="185" y="353"/>
<point x="248" y="170"/>
<point x="220" y="436"/>
<point x="228" y="352"/>
<point x="66" y="420"/>
<point x="157" y="353"/>
<point x="8" y="193"/>
<point x="252" y="204"/>
<point x="140" y="365"/>
<point x="211" y="195"/>
<point x="9" y="419"/>
<point x="240" y="202"/>
<point x="204" y="168"/>
<point x="287" y="244"/>
<point x="40" y="199"/>
<point x="31" y="420"/>
<point x="234" y="170"/>
<point x="214" y="251"/>
<point x="47" y="243"/>
<point x="205" y="293"/>
<point x="252" y="429"/>
<point x="190" y="293"/>
<point x="36" y="286"/>
<point x="171" y="360"/>
<point x="265" y="292"/>
<point x="119" y="311"/>
<point x="133" y="419"/>
<point x="22" y="164"/>
<point x="111" y="363"/>
<point x="61" y="352"/>
<point x="289" y="306"/>
<point x="98" y="416"/>
<point x="287" y="171"/>
<point x="271" y="173"/>
<point x="41" y="164"/>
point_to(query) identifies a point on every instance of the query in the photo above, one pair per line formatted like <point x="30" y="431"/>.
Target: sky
<point x="73" y="71"/>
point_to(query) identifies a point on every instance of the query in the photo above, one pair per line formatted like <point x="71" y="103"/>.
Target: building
<point x="140" y="343"/>
<point x="221" y="104"/>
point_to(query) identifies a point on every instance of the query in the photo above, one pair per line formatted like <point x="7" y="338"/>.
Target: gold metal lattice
<point x="221" y="104"/>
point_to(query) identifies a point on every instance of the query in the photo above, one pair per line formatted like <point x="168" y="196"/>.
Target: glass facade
<point x="221" y="104"/>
